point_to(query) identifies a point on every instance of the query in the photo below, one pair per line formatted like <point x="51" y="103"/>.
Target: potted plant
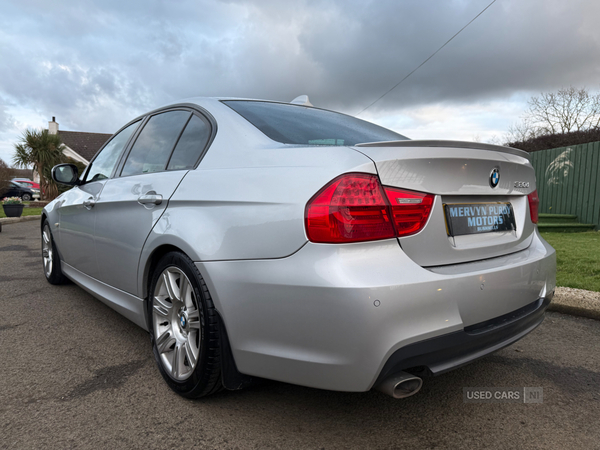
<point x="13" y="206"/>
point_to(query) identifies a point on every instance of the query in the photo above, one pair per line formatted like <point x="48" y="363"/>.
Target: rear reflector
<point x="354" y="207"/>
<point x="534" y="203"/>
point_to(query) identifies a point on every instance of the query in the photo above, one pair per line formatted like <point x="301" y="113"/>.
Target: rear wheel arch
<point x="149" y="267"/>
<point x="155" y="247"/>
<point x="151" y="263"/>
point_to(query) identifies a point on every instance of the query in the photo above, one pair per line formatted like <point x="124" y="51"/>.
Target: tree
<point x="5" y="175"/>
<point x="42" y="150"/>
<point x="522" y="131"/>
<point x="568" y="116"/>
<point x="568" y="109"/>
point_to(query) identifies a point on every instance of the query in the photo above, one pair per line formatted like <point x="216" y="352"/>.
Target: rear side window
<point x="155" y="142"/>
<point x="295" y="124"/>
<point x="191" y="144"/>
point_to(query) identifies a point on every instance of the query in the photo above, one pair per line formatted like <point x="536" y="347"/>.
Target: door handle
<point x="89" y="203"/>
<point x="150" y="198"/>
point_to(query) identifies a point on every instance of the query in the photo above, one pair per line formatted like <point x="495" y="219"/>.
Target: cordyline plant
<point x="42" y="150"/>
<point x="12" y="201"/>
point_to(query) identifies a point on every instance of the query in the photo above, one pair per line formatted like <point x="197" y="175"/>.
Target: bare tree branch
<point x="521" y="131"/>
<point x="6" y="174"/>
<point x="568" y="109"/>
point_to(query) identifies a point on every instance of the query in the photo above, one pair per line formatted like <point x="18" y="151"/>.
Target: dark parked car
<point x="16" y="190"/>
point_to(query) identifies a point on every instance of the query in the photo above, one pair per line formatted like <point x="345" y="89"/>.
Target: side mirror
<point x="66" y="174"/>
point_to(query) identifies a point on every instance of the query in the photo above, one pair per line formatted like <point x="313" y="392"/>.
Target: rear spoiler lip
<point x="444" y="143"/>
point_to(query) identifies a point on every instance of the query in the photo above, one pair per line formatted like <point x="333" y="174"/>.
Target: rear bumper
<point x="450" y="351"/>
<point x="339" y="316"/>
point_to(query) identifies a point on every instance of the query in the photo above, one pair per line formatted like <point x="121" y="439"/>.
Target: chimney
<point x="53" y="126"/>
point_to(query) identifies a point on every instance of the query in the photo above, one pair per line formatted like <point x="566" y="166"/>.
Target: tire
<point x="26" y="197"/>
<point x="50" y="258"/>
<point x="184" y="328"/>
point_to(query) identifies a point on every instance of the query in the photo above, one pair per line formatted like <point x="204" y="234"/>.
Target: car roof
<point x="208" y="102"/>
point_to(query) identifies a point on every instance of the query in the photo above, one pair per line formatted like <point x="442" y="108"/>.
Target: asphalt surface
<point x="75" y="374"/>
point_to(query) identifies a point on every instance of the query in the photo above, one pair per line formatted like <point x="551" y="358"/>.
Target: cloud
<point x="7" y="121"/>
<point x="97" y="64"/>
<point x="514" y="46"/>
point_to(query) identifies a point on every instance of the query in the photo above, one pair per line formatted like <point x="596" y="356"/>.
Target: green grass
<point x="26" y="212"/>
<point x="578" y="259"/>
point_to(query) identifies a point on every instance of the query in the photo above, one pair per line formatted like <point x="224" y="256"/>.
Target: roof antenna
<point x="301" y="100"/>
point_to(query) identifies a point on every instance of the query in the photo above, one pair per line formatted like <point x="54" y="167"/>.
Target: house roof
<point x="22" y="173"/>
<point x="86" y="144"/>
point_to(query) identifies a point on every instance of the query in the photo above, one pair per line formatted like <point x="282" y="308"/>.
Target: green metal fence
<point x="568" y="181"/>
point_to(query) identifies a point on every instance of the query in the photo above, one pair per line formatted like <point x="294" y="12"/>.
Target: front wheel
<point x="184" y="328"/>
<point x="26" y="197"/>
<point x="50" y="258"/>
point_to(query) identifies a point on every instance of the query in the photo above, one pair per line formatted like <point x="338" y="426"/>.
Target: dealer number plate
<point x="474" y="218"/>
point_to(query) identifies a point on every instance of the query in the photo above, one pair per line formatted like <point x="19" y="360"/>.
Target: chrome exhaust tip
<point x="400" y="385"/>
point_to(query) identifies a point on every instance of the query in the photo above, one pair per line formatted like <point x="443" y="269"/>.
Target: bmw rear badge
<point x="494" y="178"/>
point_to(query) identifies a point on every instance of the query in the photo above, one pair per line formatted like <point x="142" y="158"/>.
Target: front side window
<point x="295" y="124"/>
<point x="153" y="146"/>
<point x="103" y="165"/>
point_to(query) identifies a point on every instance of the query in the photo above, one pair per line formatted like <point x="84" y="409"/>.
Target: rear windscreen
<point x="302" y="125"/>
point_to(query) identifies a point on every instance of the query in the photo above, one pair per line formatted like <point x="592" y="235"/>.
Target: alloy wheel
<point x="176" y="322"/>
<point x="47" y="252"/>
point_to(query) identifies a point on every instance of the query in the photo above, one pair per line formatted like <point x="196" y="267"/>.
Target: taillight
<point x="534" y="203"/>
<point x="351" y="208"/>
<point x="355" y="207"/>
<point x="410" y="210"/>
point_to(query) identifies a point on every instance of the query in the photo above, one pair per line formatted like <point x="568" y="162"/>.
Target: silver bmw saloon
<point x="257" y="239"/>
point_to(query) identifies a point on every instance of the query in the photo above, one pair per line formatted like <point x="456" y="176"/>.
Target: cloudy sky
<point x="97" y="64"/>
